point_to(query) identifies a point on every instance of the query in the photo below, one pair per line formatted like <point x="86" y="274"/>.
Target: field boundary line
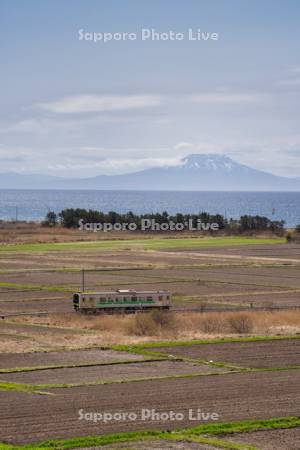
<point x="74" y="366"/>
<point x="209" y="431"/>
<point x="146" y="345"/>
<point x="37" y="388"/>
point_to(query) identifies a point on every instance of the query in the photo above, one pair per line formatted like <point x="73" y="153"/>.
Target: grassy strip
<point x="202" y="433"/>
<point x="150" y="243"/>
<point x="19" y="387"/>
<point x="244" y="426"/>
<point x="140" y="347"/>
<point x="93" y="441"/>
<point x="211" y="441"/>
<point x="74" y="366"/>
<point x="89" y="441"/>
<point x="276" y="369"/>
<point x="132" y="437"/>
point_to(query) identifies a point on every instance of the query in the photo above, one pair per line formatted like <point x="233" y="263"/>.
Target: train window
<point x="125" y="299"/>
<point x="168" y="297"/>
<point x="133" y="299"/>
<point x="160" y="298"/>
<point x="149" y="299"/>
<point x="102" y="300"/>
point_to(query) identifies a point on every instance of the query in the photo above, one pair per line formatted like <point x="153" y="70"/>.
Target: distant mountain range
<point x="208" y="172"/>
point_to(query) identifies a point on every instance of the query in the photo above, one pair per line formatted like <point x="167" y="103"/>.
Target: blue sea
<point x="34" y="204"/>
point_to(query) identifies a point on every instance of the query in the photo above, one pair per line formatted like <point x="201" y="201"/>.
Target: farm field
<point x="268" y="440"/>
<point x="260" y="354"/>
<point x="107" y="373"/>
<point x="235" y="397"/>
<point x="64" y="358"/>
<point x="55" y="362"/>
<point x="42" y="279"/>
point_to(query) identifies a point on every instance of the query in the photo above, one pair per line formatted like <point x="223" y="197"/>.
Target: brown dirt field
<point x="203" y="284"/>
<point x="138" y="257"/>
<point x="260" y="354"/>
<point x="109" y="373"/>
<point x="286" y="439"/>
<point x="287" y="299"/>
<point x="233" y="396"/>
<point x="19" y="295"/>
<point x="49" y="306"/>
<point x="261" y="276"/>
<point x="13" y="360"/>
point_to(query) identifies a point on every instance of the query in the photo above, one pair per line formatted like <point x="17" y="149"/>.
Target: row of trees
<point x="70" y="218"/>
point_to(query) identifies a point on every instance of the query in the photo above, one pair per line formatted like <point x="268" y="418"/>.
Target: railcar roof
<point x="123" y="293"/>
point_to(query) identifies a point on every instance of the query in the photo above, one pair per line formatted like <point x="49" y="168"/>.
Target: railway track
<point x="175" y="310"/>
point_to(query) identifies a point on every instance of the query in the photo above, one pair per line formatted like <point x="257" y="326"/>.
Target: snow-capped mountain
<point x="205" y="172"/>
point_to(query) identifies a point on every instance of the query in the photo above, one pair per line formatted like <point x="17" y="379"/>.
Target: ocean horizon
<point x="33" y="205"/>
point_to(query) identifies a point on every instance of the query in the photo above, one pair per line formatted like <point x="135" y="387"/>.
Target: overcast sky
<point x="72" y="107"/>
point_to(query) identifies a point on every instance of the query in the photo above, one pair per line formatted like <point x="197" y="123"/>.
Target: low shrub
<point x="241" y="323"/>
<point x="164" y="319"/>
<point x="143" y="325"/>
<point x="212" y="324"/>
<point x="153" y="323"/>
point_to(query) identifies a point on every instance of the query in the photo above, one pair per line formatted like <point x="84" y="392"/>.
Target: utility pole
<point x="17" y="214"/>
<point x="82" y="273"/>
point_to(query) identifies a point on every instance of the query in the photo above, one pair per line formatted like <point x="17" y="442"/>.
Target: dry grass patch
<point x="156" y="323"/>
<point x="241" y="323"/>
<point x="106" y="330"/>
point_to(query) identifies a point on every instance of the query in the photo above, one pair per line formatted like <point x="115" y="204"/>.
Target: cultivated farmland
<point x="55" y="362"/>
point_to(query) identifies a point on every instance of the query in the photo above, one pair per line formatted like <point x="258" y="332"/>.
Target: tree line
<point x="70" y="218"/>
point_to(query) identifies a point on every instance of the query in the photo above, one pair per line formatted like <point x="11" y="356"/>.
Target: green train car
<point x="127" y="301"/>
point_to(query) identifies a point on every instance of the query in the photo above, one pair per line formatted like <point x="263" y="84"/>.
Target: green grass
<point x="138" y="348"/>
<point x="205" y="433"/>
<point x="150" y="244"/>
<point x="94" y="441"/>
<point x="245" y="426"/>
<point x="19" y="387"/>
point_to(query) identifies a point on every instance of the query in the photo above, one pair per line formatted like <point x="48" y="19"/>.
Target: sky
<point x="70" y="106"/>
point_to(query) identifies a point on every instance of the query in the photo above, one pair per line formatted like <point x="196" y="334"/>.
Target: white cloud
<point x="111" y="166"/>
<point x="98" y="103"/>
<point x="183" y="146"/>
